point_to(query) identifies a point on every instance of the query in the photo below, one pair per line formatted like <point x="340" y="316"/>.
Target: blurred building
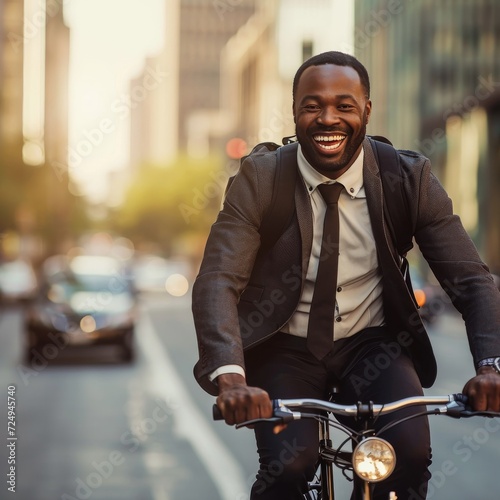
<point x="45" y="43"/>
<point x="260" y="61"/>
<point x="186" y="97"/>
<point x="34" y="48"/>
<point x="235" y="63"/>
<point x="11" y="82"/>
<point x="56" y="121"/>
<point x="435" y="68"/>
<point x="57" y="40"/>
<point x="205" y="28"/>
<point x="154" y="119"/>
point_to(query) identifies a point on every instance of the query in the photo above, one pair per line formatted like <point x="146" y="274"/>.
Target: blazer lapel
<point x="305" y="218"/>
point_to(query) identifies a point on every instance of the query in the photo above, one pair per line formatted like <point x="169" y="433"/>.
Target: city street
<point x="88" y="426"/>
<point x="122" y="127"/>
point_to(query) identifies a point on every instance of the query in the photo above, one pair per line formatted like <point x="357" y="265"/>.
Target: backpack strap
<point x="282" y="207"/>
<point x="398" y="214"/>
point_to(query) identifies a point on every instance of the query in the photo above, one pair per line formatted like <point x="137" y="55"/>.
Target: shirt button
<point x="351" y="190"/>
<point x="338" y="319"/>
<point x="339" y="289"/>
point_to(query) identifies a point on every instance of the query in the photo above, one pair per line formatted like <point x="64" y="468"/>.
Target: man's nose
<point x="329" y="116"/>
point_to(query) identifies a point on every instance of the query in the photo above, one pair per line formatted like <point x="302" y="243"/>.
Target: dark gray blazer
<point x="241" y="298"/>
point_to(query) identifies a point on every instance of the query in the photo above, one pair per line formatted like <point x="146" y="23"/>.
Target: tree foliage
<point x="164" y="203"/>
<point x="36" y="200"/>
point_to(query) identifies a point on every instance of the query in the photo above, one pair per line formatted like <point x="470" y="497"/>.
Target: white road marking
<point x="189" y="422"/>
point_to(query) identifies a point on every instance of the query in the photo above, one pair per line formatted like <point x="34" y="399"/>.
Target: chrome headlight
<point x="374" y="459"/>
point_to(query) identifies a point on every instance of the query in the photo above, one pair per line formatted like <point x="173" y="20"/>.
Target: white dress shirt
<point x="359" y="282"/>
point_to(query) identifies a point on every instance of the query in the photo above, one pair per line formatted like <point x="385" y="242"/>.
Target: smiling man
<point x="331" y="110"/>
<point x="263" y="335"/>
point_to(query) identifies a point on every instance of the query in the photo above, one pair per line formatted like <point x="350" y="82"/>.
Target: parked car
<point x="18" y="281"/>
<point x="83" y="300"/>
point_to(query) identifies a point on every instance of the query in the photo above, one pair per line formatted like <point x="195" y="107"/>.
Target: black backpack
<point x="282" y="206"/>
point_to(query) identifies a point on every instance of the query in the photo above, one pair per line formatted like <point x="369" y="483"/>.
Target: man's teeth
<point x="329" y="138"/>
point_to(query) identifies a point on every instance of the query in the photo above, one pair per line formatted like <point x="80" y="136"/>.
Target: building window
<point x="307" y="49"/>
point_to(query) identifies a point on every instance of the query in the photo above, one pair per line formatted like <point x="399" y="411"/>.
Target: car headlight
<point x="374" y="459"/>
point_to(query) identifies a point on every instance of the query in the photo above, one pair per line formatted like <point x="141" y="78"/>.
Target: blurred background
<point x="120" y="123"/>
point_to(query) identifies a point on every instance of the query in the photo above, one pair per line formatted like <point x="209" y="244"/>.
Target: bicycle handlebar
<point x="283" y="409"/>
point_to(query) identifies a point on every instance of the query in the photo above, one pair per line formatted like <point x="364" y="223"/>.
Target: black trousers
<point x="370" y="366"/>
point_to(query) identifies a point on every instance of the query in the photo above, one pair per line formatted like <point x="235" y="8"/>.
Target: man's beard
<point x="325" y="164"/>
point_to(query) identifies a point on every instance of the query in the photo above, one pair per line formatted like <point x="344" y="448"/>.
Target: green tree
<point x="165" y="203"/>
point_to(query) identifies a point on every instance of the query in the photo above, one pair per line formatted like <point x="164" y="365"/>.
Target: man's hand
<point x="238" y="402"/>
<point x="483" y="390"/>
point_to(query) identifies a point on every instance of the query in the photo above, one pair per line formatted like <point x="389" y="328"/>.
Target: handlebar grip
<point x="216" y="413"/>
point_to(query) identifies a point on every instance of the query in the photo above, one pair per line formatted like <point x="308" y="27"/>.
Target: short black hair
<point x="337" y="58"/>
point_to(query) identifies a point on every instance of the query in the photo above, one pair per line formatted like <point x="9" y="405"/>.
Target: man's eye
<point x="311" y="107"/>
<point x="346" y="106"/>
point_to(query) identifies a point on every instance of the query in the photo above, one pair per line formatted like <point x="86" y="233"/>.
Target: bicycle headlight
<point x="373" y="459"/>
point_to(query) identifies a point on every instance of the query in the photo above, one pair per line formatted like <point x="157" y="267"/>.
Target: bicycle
<point x="372" y="458"/>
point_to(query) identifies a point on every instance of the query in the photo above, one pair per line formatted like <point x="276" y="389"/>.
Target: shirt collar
<point x="351" y="179"/>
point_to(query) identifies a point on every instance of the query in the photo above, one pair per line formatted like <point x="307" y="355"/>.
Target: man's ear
<point x="368" y="108"/>
<point x="293" y="113"/>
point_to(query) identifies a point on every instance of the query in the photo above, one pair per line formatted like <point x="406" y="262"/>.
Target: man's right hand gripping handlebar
<point x="239" y="402"/>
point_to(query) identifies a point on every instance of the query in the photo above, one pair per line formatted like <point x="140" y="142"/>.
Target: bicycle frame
<point x="326" y="465"/>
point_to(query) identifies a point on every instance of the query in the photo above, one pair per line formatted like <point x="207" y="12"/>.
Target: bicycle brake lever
<point x="277" y="420"/>
<point x="280" y="416"/>
<point x="285" y="416"/>
<point x="459" y="410"/>
<point x="456" y="409"/>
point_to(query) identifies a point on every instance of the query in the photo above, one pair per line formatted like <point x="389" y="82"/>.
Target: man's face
<point x="331" y="112"/>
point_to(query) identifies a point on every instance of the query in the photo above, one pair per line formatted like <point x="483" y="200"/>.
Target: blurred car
<point x="155" y="274"/>
<point x="18" y="281"/>
<point x="83" y="300"/>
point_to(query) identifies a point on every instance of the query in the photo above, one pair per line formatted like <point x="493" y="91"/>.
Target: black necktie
<point x="320" y="329"/>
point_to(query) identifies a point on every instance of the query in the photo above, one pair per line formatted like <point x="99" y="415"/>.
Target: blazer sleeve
<point x="226" y="267"/>
<point x="456" y="263"/>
